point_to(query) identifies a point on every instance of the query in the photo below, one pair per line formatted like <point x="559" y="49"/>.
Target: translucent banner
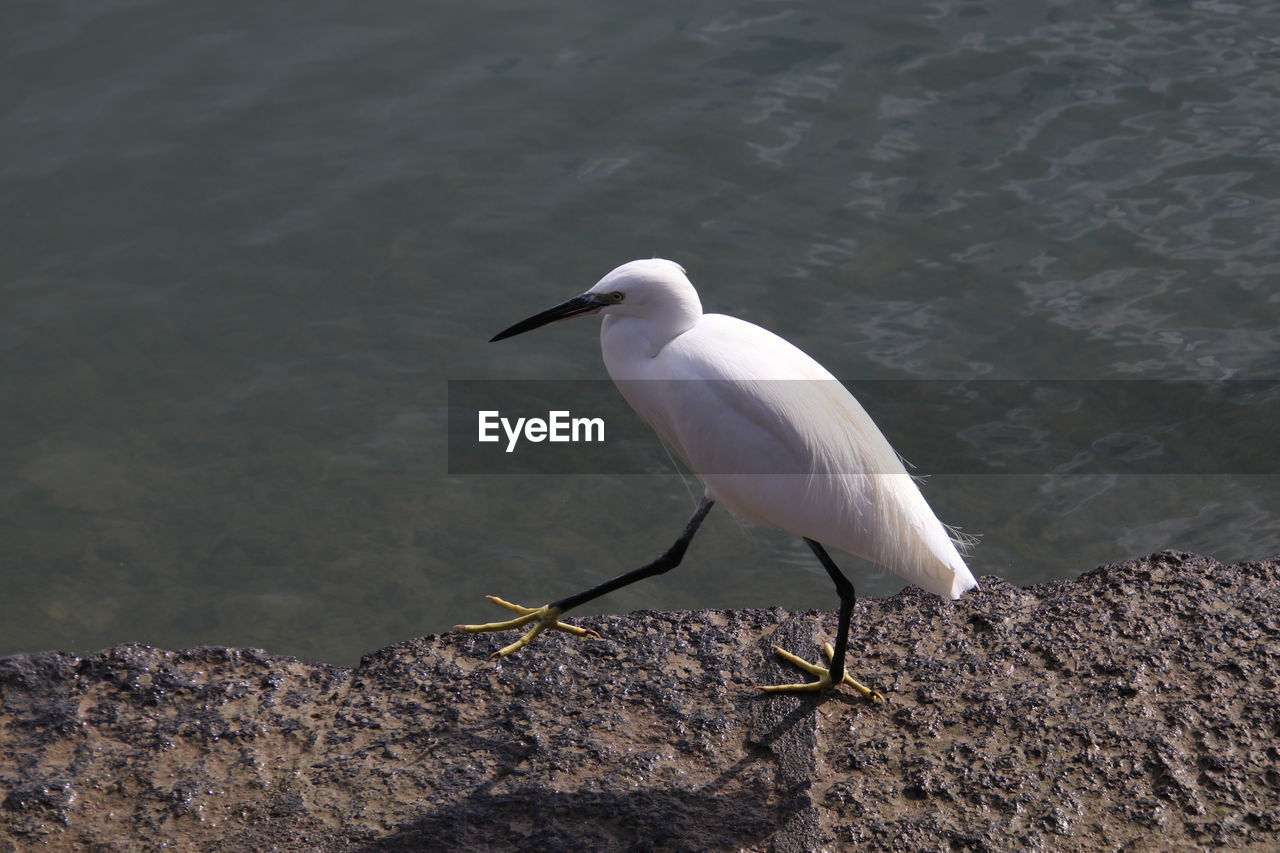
<point x="939" y="427"/>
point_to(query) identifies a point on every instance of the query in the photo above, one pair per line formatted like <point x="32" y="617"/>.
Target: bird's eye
<point x="617" y="296"/>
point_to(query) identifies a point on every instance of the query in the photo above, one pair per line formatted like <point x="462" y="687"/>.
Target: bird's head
<point x="654" y="289"/>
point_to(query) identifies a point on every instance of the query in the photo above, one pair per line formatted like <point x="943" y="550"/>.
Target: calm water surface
<point x="246" y="246"/>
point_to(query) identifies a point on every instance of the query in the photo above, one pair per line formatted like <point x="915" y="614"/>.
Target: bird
<point x="770" y="434"/>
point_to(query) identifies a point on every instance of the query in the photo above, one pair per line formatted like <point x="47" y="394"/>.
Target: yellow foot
<point x="824" y="677"/>
<point x="544" y="618"/>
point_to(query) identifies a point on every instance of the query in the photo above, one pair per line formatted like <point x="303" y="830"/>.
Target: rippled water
<point x="246" y="247"/>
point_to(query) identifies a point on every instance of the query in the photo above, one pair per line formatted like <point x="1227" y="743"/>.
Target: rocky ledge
<point x="1134" y="708"/>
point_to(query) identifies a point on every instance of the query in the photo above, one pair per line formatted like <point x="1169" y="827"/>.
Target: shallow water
<point x="246" y="248"/>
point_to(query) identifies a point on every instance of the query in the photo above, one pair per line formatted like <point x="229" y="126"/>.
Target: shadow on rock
<point x="536" y="818"/>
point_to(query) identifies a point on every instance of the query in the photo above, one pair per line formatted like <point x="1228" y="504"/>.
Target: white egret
<point x="769" y="433"/>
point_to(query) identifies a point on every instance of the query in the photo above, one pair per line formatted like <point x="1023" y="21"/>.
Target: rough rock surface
<point x="1134" y="708"/>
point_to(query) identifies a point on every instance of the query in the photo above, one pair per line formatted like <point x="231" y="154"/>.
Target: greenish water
<point x="246" y="246"/>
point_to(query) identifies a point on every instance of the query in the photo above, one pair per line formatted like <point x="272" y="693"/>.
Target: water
<point x="246" y="246"/>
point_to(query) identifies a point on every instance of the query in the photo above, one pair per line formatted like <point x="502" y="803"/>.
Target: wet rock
<point x="1137" y="702"/>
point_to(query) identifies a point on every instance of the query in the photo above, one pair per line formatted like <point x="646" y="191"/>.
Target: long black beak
<point x="575" y="307"/>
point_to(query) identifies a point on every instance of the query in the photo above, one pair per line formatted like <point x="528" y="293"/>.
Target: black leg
<point x="845" y="590"/>
<point x="668" y="561"/>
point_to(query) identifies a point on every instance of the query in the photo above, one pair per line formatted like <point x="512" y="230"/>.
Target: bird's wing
<point x="776" y="438"/>
<point x="719" y="394"/>
<point x="768" y="407"/>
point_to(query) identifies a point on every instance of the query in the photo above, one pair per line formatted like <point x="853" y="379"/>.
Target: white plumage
<point x="770" y="432"/>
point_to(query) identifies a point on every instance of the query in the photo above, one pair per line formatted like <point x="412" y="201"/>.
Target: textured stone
<point x="1134" y="708"/>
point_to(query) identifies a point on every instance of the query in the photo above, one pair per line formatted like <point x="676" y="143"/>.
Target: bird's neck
<point x="642" y="337"/>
